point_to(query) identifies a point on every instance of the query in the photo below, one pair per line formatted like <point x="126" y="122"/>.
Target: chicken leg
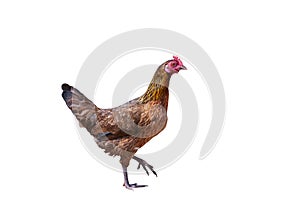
<point x="126" y="181"/>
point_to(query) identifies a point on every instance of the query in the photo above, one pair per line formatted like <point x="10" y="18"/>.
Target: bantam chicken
<point x="122" y="130"/>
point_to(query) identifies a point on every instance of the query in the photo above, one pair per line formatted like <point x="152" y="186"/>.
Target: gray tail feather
<point x="84" y="109"/>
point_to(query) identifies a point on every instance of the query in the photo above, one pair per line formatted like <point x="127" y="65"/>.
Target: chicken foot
<point x="126" y="181"/>
<point x="144" y="165"/>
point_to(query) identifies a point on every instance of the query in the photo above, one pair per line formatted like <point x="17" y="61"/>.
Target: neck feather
<point x="158" y="87"/>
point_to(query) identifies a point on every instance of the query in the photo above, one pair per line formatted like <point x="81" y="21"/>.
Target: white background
<point x="255" y="46"/>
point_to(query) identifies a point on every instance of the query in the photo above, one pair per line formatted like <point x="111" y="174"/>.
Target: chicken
<point x="122" y="130"/>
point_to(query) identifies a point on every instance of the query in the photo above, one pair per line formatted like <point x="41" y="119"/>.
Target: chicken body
<point x="122" y="130"/>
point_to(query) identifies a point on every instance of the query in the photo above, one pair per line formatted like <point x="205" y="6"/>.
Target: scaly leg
<point x="144" y="165"/>
<point x="126" y="182"/>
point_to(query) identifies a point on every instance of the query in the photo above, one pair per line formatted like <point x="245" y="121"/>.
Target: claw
<point x="126" y="181"/>
<point x="144" y="165"/>
<point x="154" y="173"/>
<point x="143" y="168"/>
<point x="135" y="185"/>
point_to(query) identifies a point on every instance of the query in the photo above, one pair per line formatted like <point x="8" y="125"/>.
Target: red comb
<point x="178" y="60"/>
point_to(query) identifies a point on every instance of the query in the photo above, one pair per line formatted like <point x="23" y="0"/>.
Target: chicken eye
<point x="173" y="64"/>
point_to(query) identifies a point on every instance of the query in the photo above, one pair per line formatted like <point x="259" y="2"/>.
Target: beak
<point x="183" y="67"/>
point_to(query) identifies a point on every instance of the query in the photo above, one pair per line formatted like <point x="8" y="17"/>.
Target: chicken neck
<point x="158" y="87"/>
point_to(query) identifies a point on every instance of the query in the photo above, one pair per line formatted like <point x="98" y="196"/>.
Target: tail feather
<point x="84" y="109"/>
